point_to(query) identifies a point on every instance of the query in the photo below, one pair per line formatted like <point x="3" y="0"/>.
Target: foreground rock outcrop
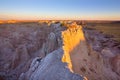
<point x="19" y="44"/>
<point x="38" y="51"/>
<point x="49" y="68"/>
<point x="52" y="65"/>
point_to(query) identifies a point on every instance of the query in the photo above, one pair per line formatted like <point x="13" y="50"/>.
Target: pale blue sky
<point x="60" y="9"/>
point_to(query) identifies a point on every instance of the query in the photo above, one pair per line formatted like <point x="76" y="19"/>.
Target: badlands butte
<point x="59" y="50"/>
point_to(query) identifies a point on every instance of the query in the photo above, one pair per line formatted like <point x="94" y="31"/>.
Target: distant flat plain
<point x="110" y="28"/>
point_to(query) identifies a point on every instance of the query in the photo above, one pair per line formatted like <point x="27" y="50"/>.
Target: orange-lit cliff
<point x="58" y="51"/>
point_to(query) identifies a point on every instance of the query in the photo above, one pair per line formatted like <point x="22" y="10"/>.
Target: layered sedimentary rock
<point x="19" y="44"/>
<point x="44" y="43"/>
<point x="38" y="51"/>
<point x="71" y="38"/>
<point x="56" y="65"/>
<point x="49" y="68"/>
<point x="102" y="60"/>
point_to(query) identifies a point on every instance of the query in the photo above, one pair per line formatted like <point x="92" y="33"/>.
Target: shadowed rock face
<point x="31" y="51"/>
<point x="51" y="67"/>
<point x="102" y="61"/>
<point x="35" y="51"/>
<point x="19" y="44"/>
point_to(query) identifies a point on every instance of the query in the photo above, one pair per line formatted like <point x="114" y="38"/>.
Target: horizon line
<point x="60" y="19"/>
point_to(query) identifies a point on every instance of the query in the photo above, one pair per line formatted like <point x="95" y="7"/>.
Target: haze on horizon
<point x="60" y="9"/>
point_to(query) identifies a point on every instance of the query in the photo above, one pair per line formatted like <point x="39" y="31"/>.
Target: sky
<point x="60" y="9"/>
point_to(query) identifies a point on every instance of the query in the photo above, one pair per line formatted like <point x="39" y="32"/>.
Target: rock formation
<point x="52" y="64"/>
<point x="49" y="68"/>
<point x="37" y="51"/>
<point x="19" y="44"/>
<point x="100" y="61"/>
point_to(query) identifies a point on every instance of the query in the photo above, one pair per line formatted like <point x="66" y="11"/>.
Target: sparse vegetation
<point x="107" y="28"/>
<point x="83" y="69"/>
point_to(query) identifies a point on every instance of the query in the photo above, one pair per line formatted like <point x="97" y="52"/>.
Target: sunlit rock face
<point x="51" y="67"/>
<point x="1" y="22"/>
<point x="71" y="38"/>
<point x="38" y="51"/>
<point x="31" y="49"/>
<point x="11" y="21"/>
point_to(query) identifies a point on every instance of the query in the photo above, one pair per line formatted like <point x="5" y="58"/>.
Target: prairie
<point x="112" y="29"/>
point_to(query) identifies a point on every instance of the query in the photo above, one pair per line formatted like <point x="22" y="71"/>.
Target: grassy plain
<point x="107" y="28"/>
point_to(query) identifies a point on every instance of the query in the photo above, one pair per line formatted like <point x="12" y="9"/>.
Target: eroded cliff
<point x="39" y="51"/>
<point x="57" y="64"/>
